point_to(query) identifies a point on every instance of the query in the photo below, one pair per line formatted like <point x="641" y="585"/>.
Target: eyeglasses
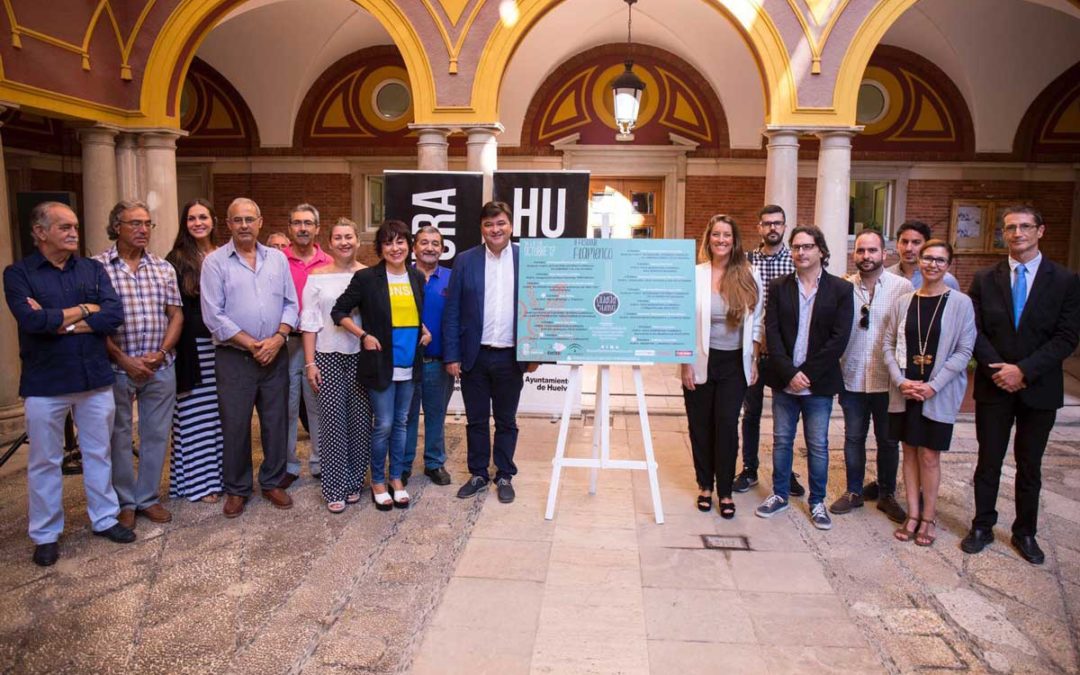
<point x="799" y="248"/>
<point x="138" y="224"/>
<point x="242" y="220"/>
<point x="931" y="260"/>
<point x="772" y="224"/>
<point x="1022" y="227"/>
<point x="305" y="223"/>
<point x="864" y="318"/>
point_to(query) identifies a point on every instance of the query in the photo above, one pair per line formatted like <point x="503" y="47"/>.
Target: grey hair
<point x="306" y="207"/>
<point x="114" y="215"/>
<point x="429" y="229"/>
<point x="244" y="200"/>
<point x="39" y="216"/>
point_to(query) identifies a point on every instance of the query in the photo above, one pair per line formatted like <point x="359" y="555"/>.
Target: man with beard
<point x="304" y="255"/>
<point x="909" y="240"/>
<point x="435" y="385"/>
<point x="772" y="259"/>
<point x="866" y="379"/>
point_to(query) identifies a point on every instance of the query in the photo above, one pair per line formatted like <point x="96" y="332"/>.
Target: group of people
<point x="201" y="339"/>
<point x="204" y="337"/>
<point x="894" y="345"/>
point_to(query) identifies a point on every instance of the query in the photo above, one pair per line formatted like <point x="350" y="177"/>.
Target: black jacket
<point x="1046" y="337"/>
<point x="830" y="328"/>
<point x="369" y="291"/>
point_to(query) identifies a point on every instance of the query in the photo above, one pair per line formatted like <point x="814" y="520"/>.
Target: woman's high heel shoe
<point x="383" y="500"/>
<point x="401" y="499"/>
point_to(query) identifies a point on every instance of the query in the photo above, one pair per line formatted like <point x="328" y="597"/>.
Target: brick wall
<point x="276" y="193"/>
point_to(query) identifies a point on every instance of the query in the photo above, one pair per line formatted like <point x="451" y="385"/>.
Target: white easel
<point x="601" y="446"/>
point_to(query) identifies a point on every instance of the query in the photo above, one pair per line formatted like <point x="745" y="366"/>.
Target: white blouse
<point x="321" y="292"/>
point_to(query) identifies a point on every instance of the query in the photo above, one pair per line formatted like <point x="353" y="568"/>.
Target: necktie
<point x="1019" y="292"/>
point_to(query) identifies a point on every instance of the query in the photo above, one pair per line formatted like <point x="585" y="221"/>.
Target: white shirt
<point x="807" y="297"/>
<point x="320" y="293"/>
<point x="498" y="298"/>
<point x="1032" y="267"/>
<point x="863" y="362"/>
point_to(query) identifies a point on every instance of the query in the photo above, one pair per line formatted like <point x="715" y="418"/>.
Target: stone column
<point x="431" y="147"/>
<point x="11" y="410"/>
<point x="159" y="147"/>
<point x="99" y="185"/>
<point x="832" y="200"/>
<point x="127" y="166"/>
<point x="782" y="172"/>
<point x="483" y="152"/>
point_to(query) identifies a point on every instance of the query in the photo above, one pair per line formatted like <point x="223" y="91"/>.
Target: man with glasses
<point x="807" y="325"/>
<point x="249" y="305"/>
<point x="64" y="306"/>
<point x="865" y="395"/>
<point x="772" y="260"/>
<point x="304" y="255"/>
<point x="142" y="357"/>
<point x="1027" y="311"/>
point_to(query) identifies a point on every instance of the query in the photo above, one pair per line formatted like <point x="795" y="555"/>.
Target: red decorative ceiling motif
<point x="1050" y="130"/>
<point x="214" y="114"/>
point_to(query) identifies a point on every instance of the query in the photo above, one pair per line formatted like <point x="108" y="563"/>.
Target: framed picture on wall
<point x="969" y="225"/>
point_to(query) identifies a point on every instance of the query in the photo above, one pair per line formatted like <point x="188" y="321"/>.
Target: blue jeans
<point x="391" y="409"/>
<point x="859" y="408"/>
<point x="157" y="399"/>
<point x="433" y="390"/>
<point x="815" y="411"/>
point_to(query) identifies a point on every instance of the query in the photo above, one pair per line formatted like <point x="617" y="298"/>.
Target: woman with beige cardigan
<point x="929" y="337"/>
<point x="729" y="334"/>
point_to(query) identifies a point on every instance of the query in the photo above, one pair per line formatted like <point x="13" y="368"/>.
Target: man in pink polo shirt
<point x="304" y="255"/>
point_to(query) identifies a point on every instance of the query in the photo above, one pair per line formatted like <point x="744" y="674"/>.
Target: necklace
<point x="922" y="360"/>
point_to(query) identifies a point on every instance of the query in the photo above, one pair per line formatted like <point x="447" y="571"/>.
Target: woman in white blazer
<point x="729" y="334"/>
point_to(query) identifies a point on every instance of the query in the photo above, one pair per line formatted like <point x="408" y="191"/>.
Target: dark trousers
<point x="712" y="414"/>
<point x="244" y="385"/>
<point x="492" y="388"/>
<point x="751" y="421"/>
<point x="993" y="426"/>
<point x="859" y="409"/>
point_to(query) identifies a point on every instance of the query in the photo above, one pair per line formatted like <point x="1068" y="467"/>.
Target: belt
<point x="489" y="348"/>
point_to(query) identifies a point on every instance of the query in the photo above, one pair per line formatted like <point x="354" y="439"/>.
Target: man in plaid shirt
<point x="142" y="359"/>
<point x="772" y="259"/>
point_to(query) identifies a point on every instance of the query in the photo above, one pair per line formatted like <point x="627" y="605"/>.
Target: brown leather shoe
<point x="288" y="480"/>
<point x="126" y="517"/>
<point x="155" y="513"/>
<point x="278" y="497"/>
<point x="234" y="506"/>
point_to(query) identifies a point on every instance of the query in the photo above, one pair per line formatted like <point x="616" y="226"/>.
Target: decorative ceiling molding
<point x="817" y="19"/>
<point x="446" y="20"/>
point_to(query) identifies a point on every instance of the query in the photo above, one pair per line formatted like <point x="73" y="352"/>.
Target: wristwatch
<point x="70" y="329"/>
<point x="284" y="337"/>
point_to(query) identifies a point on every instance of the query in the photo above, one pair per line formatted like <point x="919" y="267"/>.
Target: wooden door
<point x="635" y="206"/>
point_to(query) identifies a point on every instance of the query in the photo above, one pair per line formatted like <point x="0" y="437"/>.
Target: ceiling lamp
<point x="627" y="87"/>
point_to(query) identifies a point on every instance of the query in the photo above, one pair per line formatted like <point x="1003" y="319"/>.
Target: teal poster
<point x="606" y="300"/>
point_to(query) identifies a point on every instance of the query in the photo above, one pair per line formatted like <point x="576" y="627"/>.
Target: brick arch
<point x="1045" y="133"/>
<point x="683" y="97"/>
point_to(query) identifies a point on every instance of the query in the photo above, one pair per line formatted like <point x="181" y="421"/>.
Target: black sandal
<point x="727" y="510"/>
<point x="704" y="503"/>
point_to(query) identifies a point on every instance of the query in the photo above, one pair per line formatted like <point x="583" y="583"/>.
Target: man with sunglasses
<point x="142" y="354"/>
<point x="772" y="259"/>
<point x="865" y="395"/>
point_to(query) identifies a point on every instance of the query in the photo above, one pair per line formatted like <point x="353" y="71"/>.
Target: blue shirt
<point x="237" y="298"/>
<point x="54" y="364"/>
<point x="435" y="291"/>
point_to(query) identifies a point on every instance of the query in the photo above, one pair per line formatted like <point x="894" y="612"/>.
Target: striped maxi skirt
<point x="198" y="443"/>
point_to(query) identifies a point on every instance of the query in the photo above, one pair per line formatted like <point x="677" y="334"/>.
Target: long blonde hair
<point x="738" y="286"/>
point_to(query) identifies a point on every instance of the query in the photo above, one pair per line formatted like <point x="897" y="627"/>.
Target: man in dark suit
<point x="807" y="326"/>
<point x="1027" y="310"/>
<point x="479" y="335"/>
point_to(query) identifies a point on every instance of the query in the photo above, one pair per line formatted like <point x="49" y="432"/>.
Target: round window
<point x="873" y="102"/>
<point x="392" y="99"/>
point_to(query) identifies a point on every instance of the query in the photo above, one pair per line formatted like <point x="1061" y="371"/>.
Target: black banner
<point x="448" y="200"/>
<point x="552" y="204"/>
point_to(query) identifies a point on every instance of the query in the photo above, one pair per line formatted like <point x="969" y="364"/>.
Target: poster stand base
<point x="601" y="445"/>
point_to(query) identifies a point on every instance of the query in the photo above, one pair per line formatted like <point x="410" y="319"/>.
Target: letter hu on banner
<point x="448" y="200"/>
<point x="551" y="204"/>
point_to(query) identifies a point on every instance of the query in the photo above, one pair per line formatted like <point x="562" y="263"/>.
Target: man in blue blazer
<point x="479" y="336"/>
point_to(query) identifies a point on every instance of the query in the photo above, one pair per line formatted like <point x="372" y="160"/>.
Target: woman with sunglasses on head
<point x="729" y="305"/>
<point x="198" y="443"/>
<point x="929" y="338"/>
<point x="390" y="297"/>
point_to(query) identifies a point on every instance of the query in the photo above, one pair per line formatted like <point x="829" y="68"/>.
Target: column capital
<point x="431" y="129"/>
<point x="837" y="136"/>
<point x="483" y="130"/>
<point x="97" y="135"/>
<point x="163" y="139"/>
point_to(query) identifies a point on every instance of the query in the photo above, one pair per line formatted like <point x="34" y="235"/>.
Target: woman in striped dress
<point x="195" y="468"/>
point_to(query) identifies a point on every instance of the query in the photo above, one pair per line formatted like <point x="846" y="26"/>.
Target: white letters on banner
<point x="437" y="200"/>
<point x="538" y="210"/>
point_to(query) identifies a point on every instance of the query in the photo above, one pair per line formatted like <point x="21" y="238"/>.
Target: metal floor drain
<point x="725" y="543"/>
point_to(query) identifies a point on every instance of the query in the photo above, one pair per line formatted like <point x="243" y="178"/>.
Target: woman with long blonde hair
<point x="729" y="334"/>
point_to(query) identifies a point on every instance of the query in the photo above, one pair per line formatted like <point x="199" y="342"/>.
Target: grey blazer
<point x="948" y="377"/>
